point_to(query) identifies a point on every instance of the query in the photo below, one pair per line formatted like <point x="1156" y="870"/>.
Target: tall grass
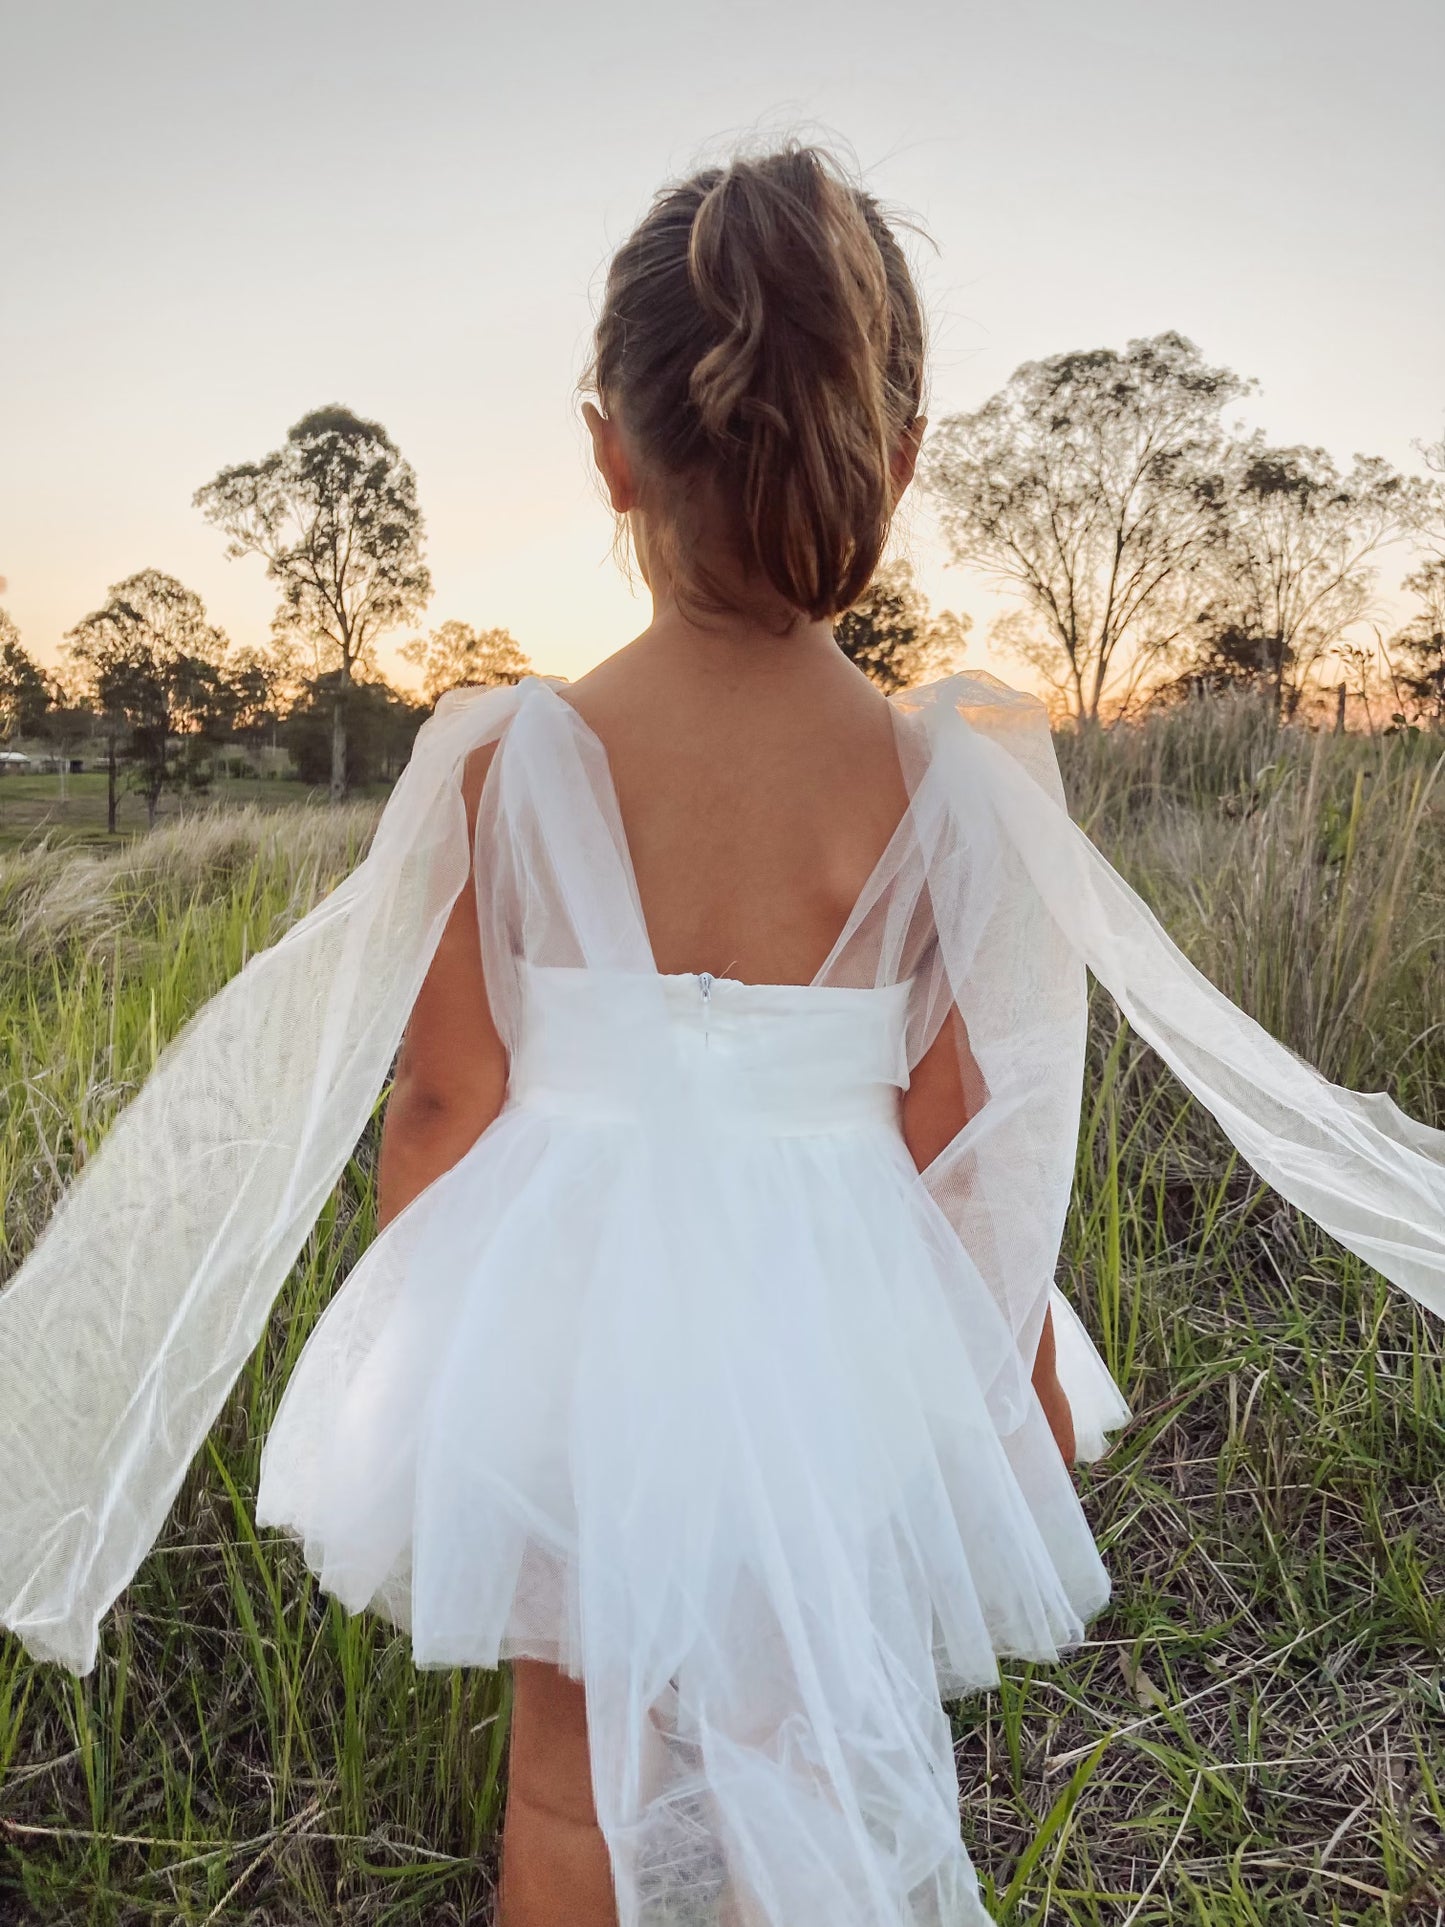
<point x="1253" y="1732"/>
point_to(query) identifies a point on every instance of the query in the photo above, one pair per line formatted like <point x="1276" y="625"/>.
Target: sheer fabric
<point x="683" y="1378"/>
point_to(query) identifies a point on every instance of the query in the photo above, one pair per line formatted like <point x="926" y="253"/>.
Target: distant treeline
<point x="1154" y="551"/>
<point x="154" y="688"/>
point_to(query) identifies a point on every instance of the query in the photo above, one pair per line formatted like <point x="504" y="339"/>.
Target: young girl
<point x="708" y="1367"/>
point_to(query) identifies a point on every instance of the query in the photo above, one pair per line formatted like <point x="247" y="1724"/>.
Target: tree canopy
<point x="456" y="656"/>
<point x="892" y="635"/>
<point x="1286" y="572"/>
<point x="150" y="662"/>
<point x="26" y="692"/>
<point x="1420" y="645"/>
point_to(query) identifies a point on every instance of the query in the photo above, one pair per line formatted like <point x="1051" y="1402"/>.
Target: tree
<point x="26" y="693"/>
<point x="1427" y="499"/>
<point x="1419" y="648"/>
<point x="456" y="656"/>
<point x="70" y="721"/>
<point x="148" y="660"/>
<point x="333" y="513"/>
<point x="1287" y="573"/>
<point x="381" y="724"/>
<point x="1076" y="486"/>
<point x="262" y="685"/>
<point x="893" y="638"/>
<point x="1228" y="658"/>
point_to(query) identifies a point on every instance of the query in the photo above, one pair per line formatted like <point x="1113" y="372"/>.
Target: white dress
<point x="683" y="1379"/>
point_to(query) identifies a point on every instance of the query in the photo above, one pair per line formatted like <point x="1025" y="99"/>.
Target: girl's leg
<point x="555" y="1869"/>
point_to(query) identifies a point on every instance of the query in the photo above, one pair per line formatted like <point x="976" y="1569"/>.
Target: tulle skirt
<point x="719" y="1450"/>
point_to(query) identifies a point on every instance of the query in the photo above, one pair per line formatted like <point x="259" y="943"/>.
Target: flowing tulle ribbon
<point x="1365" y="1171"/>
<point x="128" y="1324"/>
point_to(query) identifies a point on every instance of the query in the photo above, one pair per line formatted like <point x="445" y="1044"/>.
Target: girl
<point x="708" y="1367"/>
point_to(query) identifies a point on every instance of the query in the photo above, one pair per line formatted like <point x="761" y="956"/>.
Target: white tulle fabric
<point x="683" y="1378"/>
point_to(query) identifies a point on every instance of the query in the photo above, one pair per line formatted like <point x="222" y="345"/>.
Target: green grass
<point x="1254" y="1733"/>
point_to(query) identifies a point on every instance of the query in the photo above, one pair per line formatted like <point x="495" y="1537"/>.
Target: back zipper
<point x="705" y="983"/>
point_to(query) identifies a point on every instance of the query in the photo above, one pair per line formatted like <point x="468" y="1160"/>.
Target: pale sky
<point x="216" y="217"/>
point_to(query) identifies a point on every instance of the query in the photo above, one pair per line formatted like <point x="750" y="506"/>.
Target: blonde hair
<point x="761" y="342"/>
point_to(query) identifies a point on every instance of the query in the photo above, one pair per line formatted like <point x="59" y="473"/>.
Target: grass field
<point x="1254" y="1733"/>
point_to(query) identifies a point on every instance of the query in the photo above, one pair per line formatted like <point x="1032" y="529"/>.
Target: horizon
<point x="160" y="321"/>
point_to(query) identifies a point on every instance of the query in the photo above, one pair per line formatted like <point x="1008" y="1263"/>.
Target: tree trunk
<point x="338" y="733"/>
<point x="1340" y="710"/>
<point x="110" y="785"/>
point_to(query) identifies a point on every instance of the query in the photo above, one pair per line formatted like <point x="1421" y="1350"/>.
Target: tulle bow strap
<point x="1366" y="1172"/>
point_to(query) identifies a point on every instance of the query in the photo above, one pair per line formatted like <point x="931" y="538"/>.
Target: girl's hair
<point x="762" y="344"/>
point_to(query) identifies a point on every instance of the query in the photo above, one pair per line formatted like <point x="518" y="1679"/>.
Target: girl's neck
<point x="727" y="640"/>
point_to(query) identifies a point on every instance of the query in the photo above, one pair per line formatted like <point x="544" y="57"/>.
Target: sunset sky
<point x="214" y="218"/>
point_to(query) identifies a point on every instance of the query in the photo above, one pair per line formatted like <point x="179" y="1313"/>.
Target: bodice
<point x="776" y="1059"/>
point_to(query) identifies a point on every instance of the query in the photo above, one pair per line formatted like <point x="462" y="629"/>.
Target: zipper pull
<point x="704" y="984"/>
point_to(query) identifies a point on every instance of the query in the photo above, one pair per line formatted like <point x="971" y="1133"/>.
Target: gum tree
<point x="146" y="661"/>
<point x="456" y="656"/>
<point x="26" y="694"/>
<point x="1288" y="573"/>
<point x="1419" y="648"/>
<point x="1077" y="486"/>
<point x="333" y="513"/>
<point x="893" y="636"/>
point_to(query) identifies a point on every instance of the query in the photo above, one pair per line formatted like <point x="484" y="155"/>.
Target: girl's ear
<point x="610" y="454"/>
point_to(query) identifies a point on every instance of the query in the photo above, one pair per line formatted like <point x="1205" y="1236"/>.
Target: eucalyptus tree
<point x="1427" y="499"/>
<point x="892" y="635"/>
<point x="261" y="683"/>
<point x="1081" y="486"/>
<point x="148" y="661"/>
<point x="26" y="692"/>
<point x="1288" y="574"/>
<point x="1418" y="651"/>
<point x="333" y="513"/>
<point x="457" y="656"/>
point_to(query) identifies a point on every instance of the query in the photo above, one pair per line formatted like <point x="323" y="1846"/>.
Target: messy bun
<point x="761" y="341"/>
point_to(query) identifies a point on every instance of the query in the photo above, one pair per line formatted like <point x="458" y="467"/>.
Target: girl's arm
<point x="945" y="1090"/>
<point x="451" y="1076"/>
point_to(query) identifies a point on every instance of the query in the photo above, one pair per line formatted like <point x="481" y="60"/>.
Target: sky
<point x="214" y="218"/>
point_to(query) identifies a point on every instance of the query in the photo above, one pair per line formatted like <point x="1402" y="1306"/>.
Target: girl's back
<point x="758" y="788"/>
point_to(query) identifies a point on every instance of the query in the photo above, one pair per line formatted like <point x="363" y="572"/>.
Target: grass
<point x="1254" y="1733"/>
